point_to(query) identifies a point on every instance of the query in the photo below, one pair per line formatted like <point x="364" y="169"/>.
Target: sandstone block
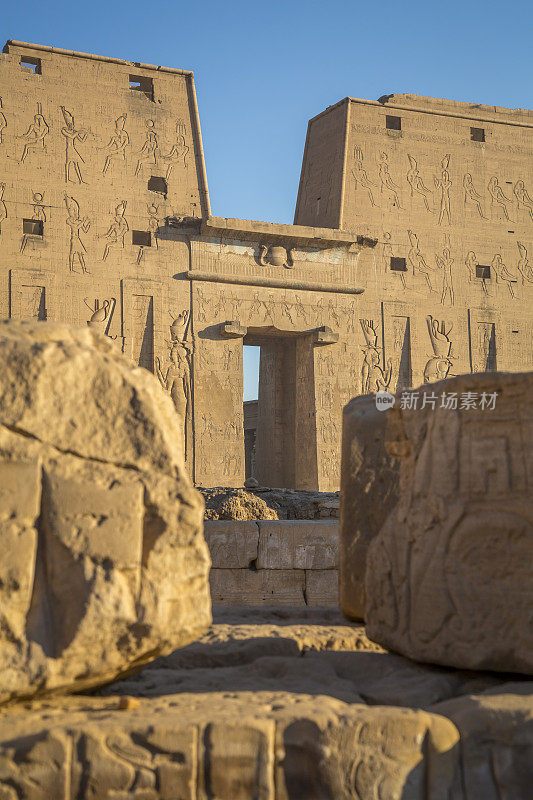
<point x="369" y="491"/>
<point x="295" y="544"/>
<point x="322" y="587"/>
<point x="102" y="560"/>
<point x="232" y="543"/>
<point x="449" y="576"/>
<point x="281" y="587"/>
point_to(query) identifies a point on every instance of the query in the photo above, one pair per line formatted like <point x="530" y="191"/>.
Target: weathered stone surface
<point x="276" y="705"/>
<point x="449" y="576"/>
<point x="322" y="587"/>
<point x="294" y="544"/>
<point x="262" y="502"/>
<point x="102" y="561"/>
<point x="232" y="544"/>
<point x="257" y="587"/>
<point x="369" y="491"/>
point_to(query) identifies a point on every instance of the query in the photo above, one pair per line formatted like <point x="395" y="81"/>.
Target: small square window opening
<point x="33" y="227"/>
<point x="31" y="63"/>
<point x="482" y="271"/>
<point x="157" y="184"/>
<point x="138" y="83"/>
<point x="398" y="264"/>
<point x="141" y="238"/>
<point x="393" y="123"/>
<point x="477" y="134"/>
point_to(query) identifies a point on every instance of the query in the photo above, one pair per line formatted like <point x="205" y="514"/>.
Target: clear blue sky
<point x="263" y="69"/>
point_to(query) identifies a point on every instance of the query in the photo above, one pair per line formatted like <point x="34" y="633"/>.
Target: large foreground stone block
<point x="369" y="492"/>
<point x="449" y="578"/>
<point x="103" y="564"/>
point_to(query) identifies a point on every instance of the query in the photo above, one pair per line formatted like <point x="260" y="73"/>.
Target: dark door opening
<point x="284" y="444"/>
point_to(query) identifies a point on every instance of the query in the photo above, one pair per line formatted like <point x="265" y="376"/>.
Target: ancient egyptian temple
<point x="410" y="258"/>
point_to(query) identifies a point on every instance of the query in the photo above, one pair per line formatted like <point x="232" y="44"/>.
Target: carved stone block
<point x="369" y="491"/>
<point x="102" y="560"/>
<point x="295" y="544"/>
<point x="322" y="587"/>
<point x="263" y="587"/>
<point x="448" y="577"/>
<point x="232" y="543"/>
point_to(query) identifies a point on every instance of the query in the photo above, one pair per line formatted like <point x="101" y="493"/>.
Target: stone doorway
<point x="285" y="437"/>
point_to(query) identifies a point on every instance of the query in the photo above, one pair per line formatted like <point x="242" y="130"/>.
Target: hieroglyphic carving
<point x="257" y="305"/>
<point x="72" y="155"/>
<point x="177" y="378"/>
<point x="471" y="195"/>
<point x="39" y="214"/>
<point x="523" y="265"/>
<point x="374" y="376"/>
<point x="445" y="263"/>
<point x="3" y="207"/>
<point x="76" y="224"/>
<point x="497" y="196"/>
<point x="148" y="152"/>
<point x="503" y="274"/>
<point x="3" y="122"/>
<point x="387" y="185"/>
<point x="35" y="135"/>
<point x="276" y="255"/>
<point x="443" y="185"/>
<point x="401" y="351"/>
<point x="360" y="176"/>
<point x="417" y="260"/>
<point x="523" y="200"/>
<point x="116" y="147"/>
<point x="101" y="315"/>
<point x="439" y="364"/>
<point x="179" y="149"/>
<point x="416" y="184"/>
<point x="386" y="251"/>
<point x="117" y="230"/>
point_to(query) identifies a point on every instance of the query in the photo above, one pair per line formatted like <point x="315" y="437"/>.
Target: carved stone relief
<point x="148" y="152"/>
<point x="76" y="224"/>
<point x="387" y="185"/>
<point x="361" y="178"/>
<point x="3" y="122"/>
<point x="374" y="376"/>
<point x="101" y="315"/>
<point x="72" y="156"/>
<point x="117" y="230"/>
<point x="116" y="147"/>
<point x="179" y="150"/>
<point x="275" y="255"/>
<point x="523" y="200"/>
<point x="3" y="207"/>
<point x="439" y="364"/>
<point x="443" y="185"/>
<point x="416" y="184"/>
<point x="471" y="197"/>
<point x="34" y="138"/>
<point x="498" y="200"/>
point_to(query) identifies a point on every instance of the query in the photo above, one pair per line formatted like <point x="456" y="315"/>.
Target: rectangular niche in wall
<point x="484" y="356"/>
<point x="143" y="330"/>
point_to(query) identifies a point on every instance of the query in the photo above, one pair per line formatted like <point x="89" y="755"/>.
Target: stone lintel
<point x="288" y="235"/>
<point x="232" y="330"/>
<point x="324" y="335"/>
<point x="274" y="283"/>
